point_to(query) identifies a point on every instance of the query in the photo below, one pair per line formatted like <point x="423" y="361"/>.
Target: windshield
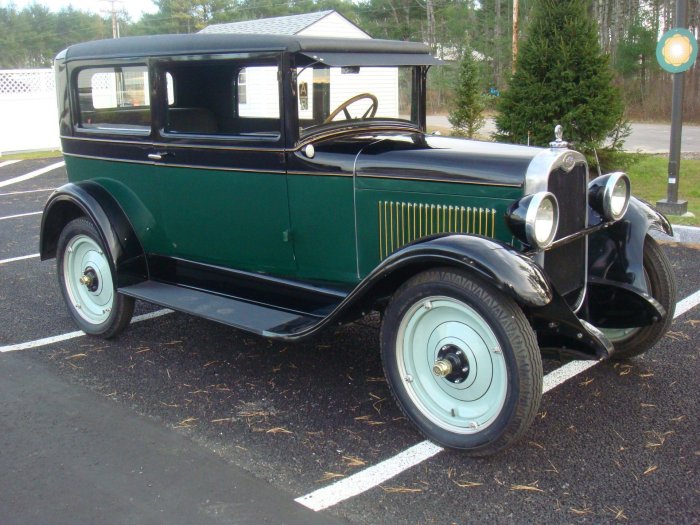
<point x="358" y="94"/>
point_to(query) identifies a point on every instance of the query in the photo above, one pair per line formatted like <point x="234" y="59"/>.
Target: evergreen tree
<point x="561" y="77"/>
<point x="466" y="117"/>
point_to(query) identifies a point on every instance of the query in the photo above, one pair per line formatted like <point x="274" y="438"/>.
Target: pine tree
<point x="466" y="117"/>
<point x="561" y="77"/>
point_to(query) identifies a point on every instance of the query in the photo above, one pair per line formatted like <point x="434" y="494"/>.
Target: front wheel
<point x="461" y="361"/>
<point x="87" y="283"/>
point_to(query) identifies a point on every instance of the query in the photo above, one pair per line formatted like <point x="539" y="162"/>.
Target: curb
<point x="681" y="233"/>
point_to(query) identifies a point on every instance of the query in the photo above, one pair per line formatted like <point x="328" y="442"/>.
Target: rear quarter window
<point x="114" y="99"/>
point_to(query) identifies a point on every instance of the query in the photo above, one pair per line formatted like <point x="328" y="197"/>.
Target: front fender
<point x="497" y="263"/>
<point x="616" y="253"/>
<point x="89" y="199"/>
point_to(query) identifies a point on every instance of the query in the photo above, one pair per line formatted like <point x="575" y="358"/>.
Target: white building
<point x="258" y="88"/>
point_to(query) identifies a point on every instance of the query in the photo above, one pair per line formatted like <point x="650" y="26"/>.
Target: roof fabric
<point x="169" y="45"/>
<point x="280" y="25"/>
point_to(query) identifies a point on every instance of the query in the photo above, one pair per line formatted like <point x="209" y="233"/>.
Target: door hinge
<point x="286" y="235"/>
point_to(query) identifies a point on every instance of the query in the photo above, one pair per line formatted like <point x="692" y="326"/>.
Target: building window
<point x="242" y="91"/>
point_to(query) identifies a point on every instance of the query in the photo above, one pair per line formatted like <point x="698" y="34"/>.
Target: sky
<point x="133" y="7"/>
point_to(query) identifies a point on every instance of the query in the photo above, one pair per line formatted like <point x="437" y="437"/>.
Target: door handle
<point x="158" y="155"/>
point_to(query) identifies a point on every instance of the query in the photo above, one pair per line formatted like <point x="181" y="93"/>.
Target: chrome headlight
<point x="534" y="219"/>
<point x="609" y="195"/>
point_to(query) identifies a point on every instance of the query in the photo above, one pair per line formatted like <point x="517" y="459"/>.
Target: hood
<point x="430" y="157"/>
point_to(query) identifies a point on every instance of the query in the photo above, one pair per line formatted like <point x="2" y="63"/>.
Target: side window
<point x="223" y="98"/>
<point x="114" y="99"/>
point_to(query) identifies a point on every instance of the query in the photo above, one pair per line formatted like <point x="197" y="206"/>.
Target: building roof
<point x="279" y="25"/>
<point x="170" y="45"/>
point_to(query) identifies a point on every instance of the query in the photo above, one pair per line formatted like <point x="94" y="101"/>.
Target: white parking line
<point x="371" y="477"/>
<point x="72" y="335"/>
<point x="8" y="162"/>
<point x="21" y="215"/>
<point x="21" y="258"/>
<point x="32" y="174"/>
<point x="26" y="191"/>
<point x="686" y="304"/>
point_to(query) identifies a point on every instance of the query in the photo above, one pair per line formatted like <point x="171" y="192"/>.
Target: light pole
<point x="676" y="53"/>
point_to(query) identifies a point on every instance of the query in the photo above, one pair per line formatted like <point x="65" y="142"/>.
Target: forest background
<point x="628" y="32"/>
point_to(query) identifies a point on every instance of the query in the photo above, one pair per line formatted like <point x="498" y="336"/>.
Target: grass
<point x="649" y="176"/>
<point x="29" y="155"/>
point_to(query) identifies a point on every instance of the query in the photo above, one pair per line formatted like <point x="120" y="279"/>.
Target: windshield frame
<point x="417" y="120"/>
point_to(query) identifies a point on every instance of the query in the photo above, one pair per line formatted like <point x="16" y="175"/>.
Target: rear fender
<point x="89" y="199"/>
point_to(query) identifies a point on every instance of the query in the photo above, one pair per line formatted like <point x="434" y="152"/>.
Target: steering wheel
<point x="371" y="110"/>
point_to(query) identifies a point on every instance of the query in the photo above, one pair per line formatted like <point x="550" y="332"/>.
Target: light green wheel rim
<point x="84" y="256"/>
<point x="474" y="403"/>
<point x="618" y="335"/>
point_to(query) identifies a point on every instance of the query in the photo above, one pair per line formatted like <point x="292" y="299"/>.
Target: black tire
<point x="662" y="284"/>
<point x="468" y="316"/>
<point x="96" y="307"/>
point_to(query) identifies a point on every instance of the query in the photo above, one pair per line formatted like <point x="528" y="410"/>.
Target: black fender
<point x="616" y="253"/>
<point x="499" y="264"/>
<point x="88" y="199"/>
<point x="617" y="294"/>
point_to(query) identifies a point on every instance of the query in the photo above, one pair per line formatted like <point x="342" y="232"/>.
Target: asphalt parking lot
<point x="617" y="442"/>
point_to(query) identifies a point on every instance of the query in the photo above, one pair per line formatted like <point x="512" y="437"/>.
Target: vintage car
<point x="285" y="184"/>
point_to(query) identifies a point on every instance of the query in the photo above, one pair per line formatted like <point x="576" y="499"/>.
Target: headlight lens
<point x="542" y="219"/>
<point x="618" y="197"/>
<point x="610" y="194"/>
<point x="534" y="219"/>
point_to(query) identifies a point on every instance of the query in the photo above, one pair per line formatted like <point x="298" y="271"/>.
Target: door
<point x="220" y="163"/>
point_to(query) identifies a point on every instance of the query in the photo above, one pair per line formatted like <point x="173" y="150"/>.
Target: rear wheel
<point x="87" y="283"/>
<point x="661" y="285"/>
<point x="462" y="361"/>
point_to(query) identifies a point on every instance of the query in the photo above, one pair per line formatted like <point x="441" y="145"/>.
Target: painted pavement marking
<point x="19" y="215"/>
<point x="370" y="477"/>
<point x="8" y="162"/>
<point x="32" y="174"/>
<point x="21" y="258"/>
<point x="373" y="476"/>
<point x="25" y="191"/>
<point x="72" y="335"/>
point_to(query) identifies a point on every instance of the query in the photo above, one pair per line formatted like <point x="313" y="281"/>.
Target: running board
<point x="259" y="319"/>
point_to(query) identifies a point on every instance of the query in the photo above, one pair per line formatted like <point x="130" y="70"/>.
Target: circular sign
<point x="677" y="50"/>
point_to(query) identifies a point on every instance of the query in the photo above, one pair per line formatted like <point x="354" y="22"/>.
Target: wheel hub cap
<point x="451" y="372"/>
<point x="88" y="279"/>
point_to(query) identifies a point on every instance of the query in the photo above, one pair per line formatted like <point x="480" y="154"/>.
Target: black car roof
<point x="155" y="45"/>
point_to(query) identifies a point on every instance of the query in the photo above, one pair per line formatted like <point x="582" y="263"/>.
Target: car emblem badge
<point x="568" y="162"/>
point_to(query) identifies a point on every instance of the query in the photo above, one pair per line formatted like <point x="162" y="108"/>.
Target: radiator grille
<point x="566" y="265"/>
<point x="401" y="223"/>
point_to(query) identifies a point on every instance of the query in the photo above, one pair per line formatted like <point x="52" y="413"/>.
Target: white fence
<point x="28" y="112"/>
